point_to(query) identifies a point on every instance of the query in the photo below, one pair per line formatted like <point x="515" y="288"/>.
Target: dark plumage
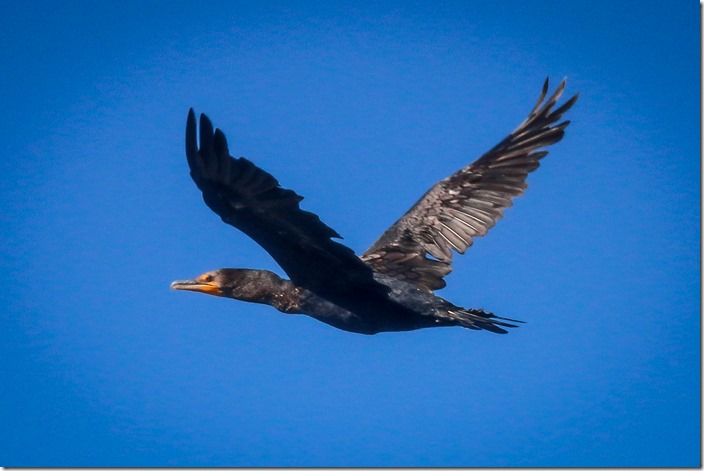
<point x="390" y="287"/>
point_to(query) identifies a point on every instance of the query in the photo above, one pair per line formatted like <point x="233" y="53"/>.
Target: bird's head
<point x="237" y="283"/>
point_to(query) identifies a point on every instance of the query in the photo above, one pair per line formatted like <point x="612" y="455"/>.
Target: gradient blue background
<point x="360" y="108"/>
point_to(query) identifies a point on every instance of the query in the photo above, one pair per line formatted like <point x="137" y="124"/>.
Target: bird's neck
<point x="265" y="287"/>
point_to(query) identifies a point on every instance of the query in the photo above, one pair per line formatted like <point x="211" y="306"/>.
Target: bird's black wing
<point x="468" y="203"/>
<point x="251" y="200"/>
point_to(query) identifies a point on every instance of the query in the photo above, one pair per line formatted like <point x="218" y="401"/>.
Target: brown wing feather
<point x="468" y="203"/>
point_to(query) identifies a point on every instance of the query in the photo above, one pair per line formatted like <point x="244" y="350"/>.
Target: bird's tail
<point x="478" y="319"/>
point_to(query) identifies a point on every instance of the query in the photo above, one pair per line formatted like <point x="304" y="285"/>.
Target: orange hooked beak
<point x="202" y="284"/>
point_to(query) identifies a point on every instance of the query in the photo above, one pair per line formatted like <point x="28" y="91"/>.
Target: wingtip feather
<point x="191" y="139"/>
<point x="206" y="127"/>
<point x="543" y="94"/>
<point x="567" y="105"/>
<point x="206" y="140"/>
<point x="220" y="143"/>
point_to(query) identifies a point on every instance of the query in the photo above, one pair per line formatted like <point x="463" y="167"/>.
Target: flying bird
<point x="391" y="286"/>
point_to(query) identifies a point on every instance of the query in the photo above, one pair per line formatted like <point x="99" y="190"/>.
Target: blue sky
<point x="360" y="108"/>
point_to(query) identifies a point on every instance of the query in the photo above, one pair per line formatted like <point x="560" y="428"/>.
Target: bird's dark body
<point x="390" y="287"/>
<point x="404" y="307"/>
<point x="407" y="308"/>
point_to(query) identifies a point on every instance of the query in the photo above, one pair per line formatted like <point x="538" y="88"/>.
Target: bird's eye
<point x="206" y="278"/>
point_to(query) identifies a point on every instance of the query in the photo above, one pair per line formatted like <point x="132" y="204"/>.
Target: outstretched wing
<point x="251" y="200"/>
<point x="468" y="203"/>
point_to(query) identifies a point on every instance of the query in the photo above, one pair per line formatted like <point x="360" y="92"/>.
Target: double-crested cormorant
<point x="390" y="286"/>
